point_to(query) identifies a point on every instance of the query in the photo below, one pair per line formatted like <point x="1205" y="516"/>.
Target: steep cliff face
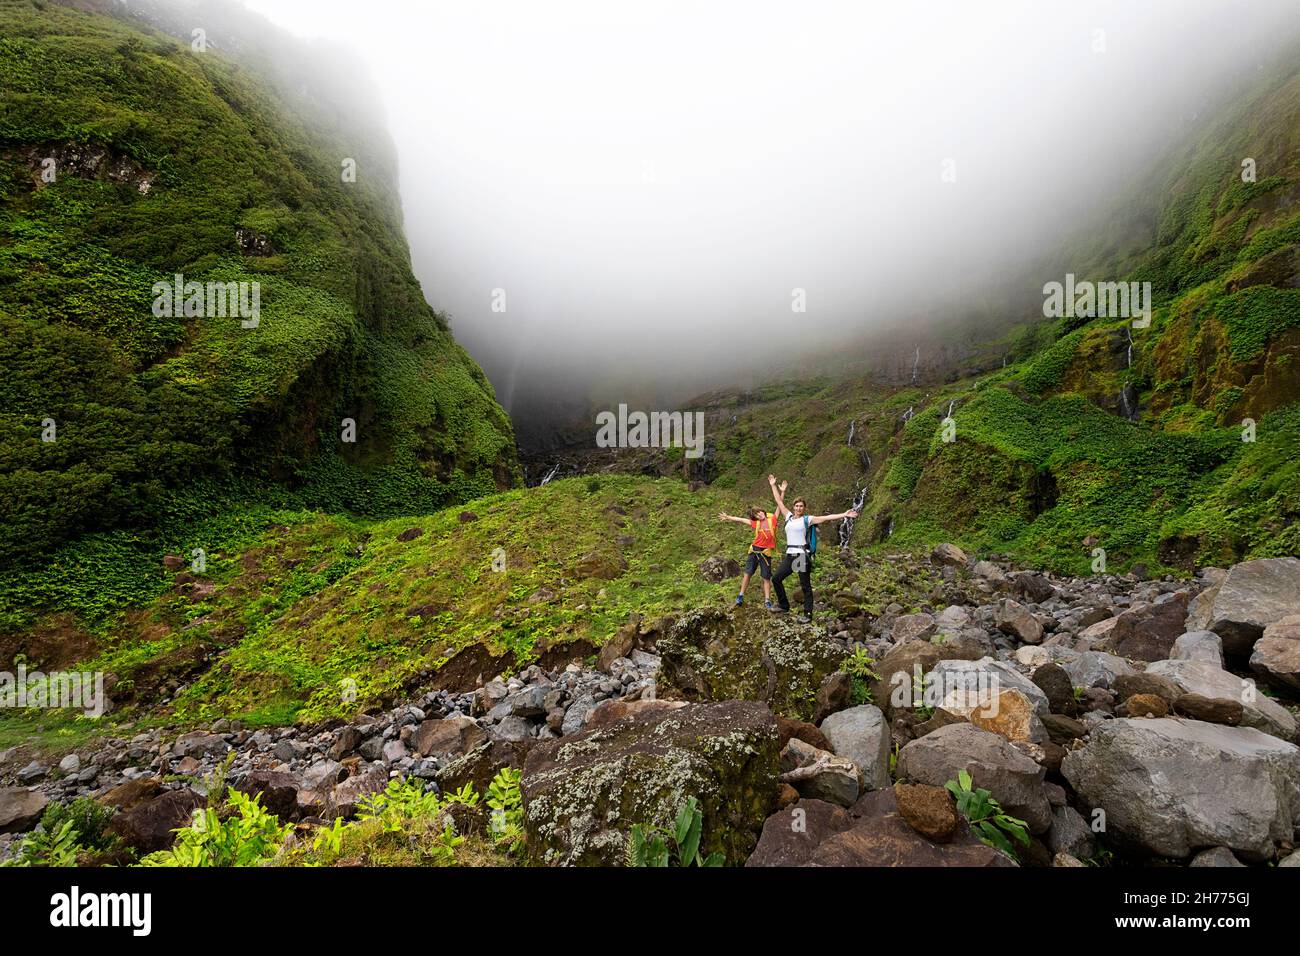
<point x="304" y="362"/>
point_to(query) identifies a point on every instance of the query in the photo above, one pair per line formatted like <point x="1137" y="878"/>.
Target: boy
<point x="761" y="551"/>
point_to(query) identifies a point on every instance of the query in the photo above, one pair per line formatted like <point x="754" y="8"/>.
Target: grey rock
<point x="1169" y="786"/>
<point x="1097" y="669"/>
<point x="1251" y="596"/>
<point x="861" y="734"/>
<point x="322" y="775"/>
<point x="512" y="728"/>
<point x="1216" y="856"/>
<point x="1203" y="646"/>
<point x="1069" y="833"/>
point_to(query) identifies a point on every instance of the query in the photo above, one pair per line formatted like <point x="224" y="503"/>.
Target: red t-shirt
<point x="764" y="533"/>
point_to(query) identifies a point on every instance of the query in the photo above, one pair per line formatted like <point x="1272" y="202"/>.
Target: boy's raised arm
<point x="776" y="494"/>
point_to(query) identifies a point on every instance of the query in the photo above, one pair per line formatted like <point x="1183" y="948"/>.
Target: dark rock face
<point x="712" y="655"/>
<point x="791" y="835"/>
<point x="481" y="764"/>
<point x="279" y="792"/>
<point x="1148" y="632"/>
<point x="583" y="793"/>
<point x="149" y="827"/>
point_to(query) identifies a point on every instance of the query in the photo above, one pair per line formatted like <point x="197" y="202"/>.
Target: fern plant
<point x="986" y="818"/>
<point x="52" y="847"/>
<point x="860" y="667"/>
<point x="506" y="801"/>
<point x="655" y="846"/>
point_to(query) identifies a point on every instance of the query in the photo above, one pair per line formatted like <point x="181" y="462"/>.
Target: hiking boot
<point x="740" y="599"/>
<point x="769" y="605"/>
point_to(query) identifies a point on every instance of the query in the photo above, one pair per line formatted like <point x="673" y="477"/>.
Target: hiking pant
<point x="787" y="568"/>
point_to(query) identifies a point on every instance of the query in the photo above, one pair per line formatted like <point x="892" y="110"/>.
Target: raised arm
<point x="723" y="516"/>
<point x="820" y="519"/>
<point x="778" y="495"/>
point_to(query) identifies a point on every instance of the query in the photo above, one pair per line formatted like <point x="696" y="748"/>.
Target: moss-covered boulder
<point x="583" y="793"/>
<point x="751" y="655"/>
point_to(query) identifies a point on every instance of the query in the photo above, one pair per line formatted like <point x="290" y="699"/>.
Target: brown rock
<point x="1126" y="685"/>
<point x="1143" y="705"/>
<point x="20" y="809"/>
<point x="481" y="764"/>
<point x="620" y="643"/>
<point x="1061" y="729"/>
<point x="132" y="793"/>
<point x="1213" y="710"/>
<point x="279" y="791"/>
<point x="791" y="835"/>
<point x="410" y="534"/>
<point x="808" y="733"/>
<point x="930" y="811"/>
<point x="834" y="694"/>
<point x="457" y="734"/>
<point x="611" y="711"/>
<point x="1147" y="632"/>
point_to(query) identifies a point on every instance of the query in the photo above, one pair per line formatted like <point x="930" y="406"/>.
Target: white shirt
<point x="796" y="538"/>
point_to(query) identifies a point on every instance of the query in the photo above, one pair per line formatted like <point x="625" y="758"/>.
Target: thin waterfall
<point x="550" y="474"/>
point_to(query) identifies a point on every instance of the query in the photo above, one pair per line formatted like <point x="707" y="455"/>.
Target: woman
<point x="761" y="551"/>
<point x="798" y="555"/>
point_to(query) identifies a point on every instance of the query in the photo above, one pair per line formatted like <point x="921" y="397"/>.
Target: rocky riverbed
<point x="1121" y="720"/>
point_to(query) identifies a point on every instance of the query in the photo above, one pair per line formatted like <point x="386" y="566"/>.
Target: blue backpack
<point x="810" y="535"/>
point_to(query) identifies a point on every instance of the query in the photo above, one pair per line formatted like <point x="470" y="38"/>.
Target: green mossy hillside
<point x="163" y="158"/>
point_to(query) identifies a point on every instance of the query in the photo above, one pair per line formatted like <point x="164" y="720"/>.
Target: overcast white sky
<point x="651" y="180"/>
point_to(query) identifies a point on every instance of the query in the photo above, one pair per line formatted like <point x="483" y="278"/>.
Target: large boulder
<point x="582" y="794"/>
<point x="902" y="666"/>
<point x="480" y="765"/>
<point x="20" y="809"/>
<point x="1276" y="657"/>
<point x="1016" y="620"/>
<point x="712" y="655"/>
<point x="1147" y="632"/>
<point x="985" y="679"/>
<point x="1251" y="596"/>
<point x="278" y="791"/>
<point x="1014" y="779"/>
<point x="1198" y="677"/>
<point x="1170" y="786"/>
<point x="862" y="735"/>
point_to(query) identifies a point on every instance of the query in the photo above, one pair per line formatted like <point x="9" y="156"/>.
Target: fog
<point x="648" y="184"/>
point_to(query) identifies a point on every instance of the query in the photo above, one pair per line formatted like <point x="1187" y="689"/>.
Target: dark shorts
<point x="758" y="560"/>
